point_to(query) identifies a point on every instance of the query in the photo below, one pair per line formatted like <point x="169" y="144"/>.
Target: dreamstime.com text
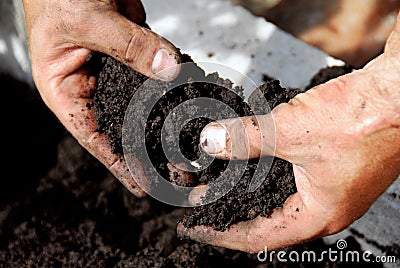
<point x="340" y="255"/>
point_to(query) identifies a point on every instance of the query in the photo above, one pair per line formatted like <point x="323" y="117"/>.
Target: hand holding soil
<point x="342" y="138"/>
<point x="62" y="35"/>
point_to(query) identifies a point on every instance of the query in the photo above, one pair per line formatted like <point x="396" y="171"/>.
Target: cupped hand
<point x="63" y="34"/>
<point x="343" y="139"/>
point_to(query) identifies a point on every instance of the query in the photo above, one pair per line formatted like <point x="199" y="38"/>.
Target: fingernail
<point x="197" y="194"/>
<point x="183" y="233"/>
<point x="213" y="139"/>
<point x="165" y="65"/>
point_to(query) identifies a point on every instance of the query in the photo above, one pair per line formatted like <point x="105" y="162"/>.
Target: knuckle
<point x="255" y="237"/>
<point x="136" y="45"/>
<point x="288" y="126"/>
<point x="255" y="243"/>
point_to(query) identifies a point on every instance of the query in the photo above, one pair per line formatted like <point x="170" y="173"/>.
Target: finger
<point x="80" y="122"/>
<point x="286" y="226"/>
<point x="197" y="194"/>
<point x="111" y="33"/>
<point x="121" y="171"/>
<point x="240" y="138"/>
<point x="293" y="131"/>
<point x="75" y="112"/>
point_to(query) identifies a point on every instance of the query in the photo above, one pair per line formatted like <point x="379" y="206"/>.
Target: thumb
<point x="240" y="138"/>
<point x="141" y="49"/>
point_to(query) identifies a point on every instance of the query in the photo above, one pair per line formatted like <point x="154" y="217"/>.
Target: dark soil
<point x="239" y="204"/>
<point x="59" y="207"/>
<point x="329" y="73"/>
<point x="117" y="84"/>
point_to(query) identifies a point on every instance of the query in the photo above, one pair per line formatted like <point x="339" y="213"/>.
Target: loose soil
<point x="59" y="207"/>
<point x="118" y="83"/>
<point x="116" y="86"/>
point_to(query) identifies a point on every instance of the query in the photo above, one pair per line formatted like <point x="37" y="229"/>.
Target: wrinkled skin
<point x="343" y="139"/>
<point x="62" y="34"/>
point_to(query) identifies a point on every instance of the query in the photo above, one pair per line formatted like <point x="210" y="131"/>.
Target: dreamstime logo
<point x="332" y="255"/>
<point x="341" y="244"/>
<point x="144" y="110"/>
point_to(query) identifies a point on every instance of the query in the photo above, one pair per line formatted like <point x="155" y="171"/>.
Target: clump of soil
<point x="240" y="204"/>
<point x="116" y="86"/>
<point x="328" y="73"/>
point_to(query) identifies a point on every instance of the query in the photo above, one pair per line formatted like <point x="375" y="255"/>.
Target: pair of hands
<point x="343" y="137"/>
